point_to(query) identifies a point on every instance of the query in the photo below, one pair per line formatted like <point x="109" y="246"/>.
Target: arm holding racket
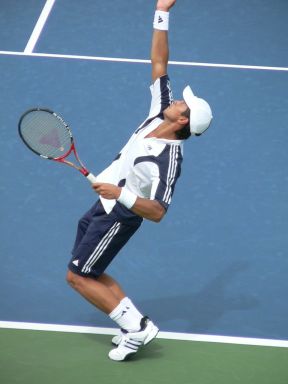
<point x="148" y="209"/>
<point x="46" y="134"/>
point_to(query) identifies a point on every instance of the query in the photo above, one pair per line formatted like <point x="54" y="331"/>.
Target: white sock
<point x="126" y="318"/>
<point x="129" y="304"/>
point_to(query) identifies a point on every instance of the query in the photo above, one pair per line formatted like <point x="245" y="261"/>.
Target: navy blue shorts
<point x="100" y="237"/>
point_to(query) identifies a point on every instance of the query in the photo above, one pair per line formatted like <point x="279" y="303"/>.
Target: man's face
<point x="175" y="110"/>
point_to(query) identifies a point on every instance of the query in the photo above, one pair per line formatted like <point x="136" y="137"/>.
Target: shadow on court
<point x="206" y="307"/>
<point x="199" y="310"/>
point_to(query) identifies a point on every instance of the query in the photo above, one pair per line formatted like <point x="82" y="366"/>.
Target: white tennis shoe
<point x="116" y="339"/>
<point x="130" y="342"/>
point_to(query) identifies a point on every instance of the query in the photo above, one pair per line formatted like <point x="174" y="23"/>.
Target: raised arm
<point x="160" y="47"/>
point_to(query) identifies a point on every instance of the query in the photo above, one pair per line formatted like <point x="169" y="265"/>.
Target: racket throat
<point x="79" y="168"/>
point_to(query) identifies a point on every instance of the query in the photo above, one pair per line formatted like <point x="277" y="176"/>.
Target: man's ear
<point x="183" y="120"/>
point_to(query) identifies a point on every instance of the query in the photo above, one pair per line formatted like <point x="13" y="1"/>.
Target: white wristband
<point x="161" y="20"/>
<point x="127" y="198"/>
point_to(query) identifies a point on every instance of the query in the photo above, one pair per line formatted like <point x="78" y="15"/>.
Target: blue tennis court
<point x="217" y="264"/>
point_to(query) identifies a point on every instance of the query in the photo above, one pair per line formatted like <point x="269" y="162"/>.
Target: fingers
<point x="108" y="191"/>
<point x="96" y="187"/>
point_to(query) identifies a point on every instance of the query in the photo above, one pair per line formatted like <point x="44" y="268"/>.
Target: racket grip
<point x="91" y="178"/>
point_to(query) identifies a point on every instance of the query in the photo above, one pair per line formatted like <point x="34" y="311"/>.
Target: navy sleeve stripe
<point x="172" y="172"/>
<point x="162" y="97"/>
<point x="166" y="93"/>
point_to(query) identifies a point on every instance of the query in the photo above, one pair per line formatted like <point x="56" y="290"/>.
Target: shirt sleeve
<point x="162" y="96"/>
<point x="164" y="181"/>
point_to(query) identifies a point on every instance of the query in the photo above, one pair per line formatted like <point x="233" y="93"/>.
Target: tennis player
<point x="138" y="184"/>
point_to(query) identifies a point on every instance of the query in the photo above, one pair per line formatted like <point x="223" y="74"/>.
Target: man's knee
<point x="73" y="279"/>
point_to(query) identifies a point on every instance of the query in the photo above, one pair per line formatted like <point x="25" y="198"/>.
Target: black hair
<point x="184" y="133"/>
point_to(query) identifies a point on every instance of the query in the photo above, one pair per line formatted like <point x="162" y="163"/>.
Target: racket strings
<point x="46" y="134"/>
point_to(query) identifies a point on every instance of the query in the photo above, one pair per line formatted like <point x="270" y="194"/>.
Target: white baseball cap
<point x="200" y="112"/>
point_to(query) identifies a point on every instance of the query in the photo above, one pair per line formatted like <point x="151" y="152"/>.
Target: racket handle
<point x="91" y="178"/>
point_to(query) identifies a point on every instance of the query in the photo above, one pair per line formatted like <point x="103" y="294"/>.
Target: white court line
<point x="142" y="61"/>
<point x="39" y="26"/>
<point x="161" y="335"/>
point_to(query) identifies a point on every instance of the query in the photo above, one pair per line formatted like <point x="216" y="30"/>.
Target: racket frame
<point x="60" y="159"/>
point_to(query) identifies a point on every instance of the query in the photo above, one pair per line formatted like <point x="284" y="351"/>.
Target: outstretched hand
<point x="106" y="190"/>
<point x="165" y="5"/>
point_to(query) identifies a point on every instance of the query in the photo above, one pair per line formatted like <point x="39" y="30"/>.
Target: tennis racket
<point x="47" y="135"/>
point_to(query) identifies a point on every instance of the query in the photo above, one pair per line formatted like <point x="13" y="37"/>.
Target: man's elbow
<point x="157" y="219"/>
<point x="159" y="69"/>
<point x="159" y="214"/>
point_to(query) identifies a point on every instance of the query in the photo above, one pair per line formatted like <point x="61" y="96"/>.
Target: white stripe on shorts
<point x="101" y="247"/>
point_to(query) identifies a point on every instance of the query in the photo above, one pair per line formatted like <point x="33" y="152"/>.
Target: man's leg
<point x="107" y="295"/>
<point x="113" y="285"/>
<point x="104" y="293"/>
<point x="98" y="245"/>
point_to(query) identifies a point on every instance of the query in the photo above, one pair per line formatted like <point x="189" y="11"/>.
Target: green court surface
<point x="61" y="358"/>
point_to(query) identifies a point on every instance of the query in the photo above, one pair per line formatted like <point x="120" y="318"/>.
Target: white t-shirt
<point x="148" y="167"/>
